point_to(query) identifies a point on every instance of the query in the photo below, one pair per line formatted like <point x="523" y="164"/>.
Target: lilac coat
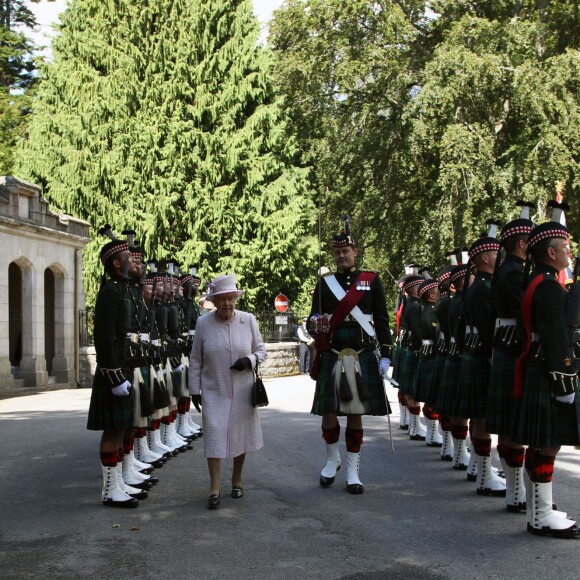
<point x="230" y="421"/>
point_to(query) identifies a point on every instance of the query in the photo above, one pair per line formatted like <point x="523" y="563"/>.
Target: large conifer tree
<point x="159" y="114"/>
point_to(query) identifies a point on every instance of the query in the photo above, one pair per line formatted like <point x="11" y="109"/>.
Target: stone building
<point x="41" y="291"/>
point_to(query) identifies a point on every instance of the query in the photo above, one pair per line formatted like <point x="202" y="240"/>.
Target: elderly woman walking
<point x="226" y="348"/>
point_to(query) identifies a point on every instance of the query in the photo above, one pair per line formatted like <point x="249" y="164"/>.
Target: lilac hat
<point x="223" y="285"/>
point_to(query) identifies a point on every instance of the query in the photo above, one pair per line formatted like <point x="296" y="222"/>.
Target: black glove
<point x="196" y="400"/>
<point x="242" y="364"/>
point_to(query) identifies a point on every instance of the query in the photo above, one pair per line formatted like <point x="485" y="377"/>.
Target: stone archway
<point x="55" y="321"/>
<point x="15" y="318"/>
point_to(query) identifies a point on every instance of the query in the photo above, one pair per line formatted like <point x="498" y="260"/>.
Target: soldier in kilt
<point x="447" y="394"/>
<point x="411" y="345"/>
<point x="400" y="308"/>
<point x="425" y="374"/>
<point x="545" y="379"/>
<point x="475" y="367"/>
<point x="111" y="406"/>
<point x="507" y="291"/>
<point x="349" y="378"/>
<point x="441" y="313"/>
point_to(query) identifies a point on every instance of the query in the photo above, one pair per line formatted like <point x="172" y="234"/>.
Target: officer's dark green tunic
<point x="107" y="411"/>
<point x="507" y="292"/>
<point x="410" y="345"/>
<point x="541" y="421"/>
<point x="426" y="365"/>
<point x="447" y="395"/>
<point x="475" y="367"/>
<point x="350" y="334"/>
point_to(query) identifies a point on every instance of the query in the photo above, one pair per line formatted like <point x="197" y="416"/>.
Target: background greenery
<point x="420" y="119"/>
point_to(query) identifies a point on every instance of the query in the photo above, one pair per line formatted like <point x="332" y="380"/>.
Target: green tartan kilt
<point x="447" y="393"/>
<point x="108" y="412"/>
<point x="424" y="377"/>
<point x="396" y="362"/>
<point x="540" y="420"/>
<point x="326" y="398"/>
<point x="472" y="387"/>
<point x="500" y="396"/>
<point x="407" y="371"/>
<point x="436" y="384"/>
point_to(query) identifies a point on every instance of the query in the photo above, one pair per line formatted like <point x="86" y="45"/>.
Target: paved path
<point x="418" y="519"/>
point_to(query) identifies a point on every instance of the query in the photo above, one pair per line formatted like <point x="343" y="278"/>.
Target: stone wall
<point x="282" y="360"/>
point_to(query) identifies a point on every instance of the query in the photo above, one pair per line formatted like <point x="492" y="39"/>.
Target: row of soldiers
<point x="487" y="348"/>
<point x="144" y="324"/>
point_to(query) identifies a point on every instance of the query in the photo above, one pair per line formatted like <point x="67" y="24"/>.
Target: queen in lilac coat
<point x="226" y="349"/>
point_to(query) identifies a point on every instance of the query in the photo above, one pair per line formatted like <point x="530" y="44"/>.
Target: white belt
<point x="452" y="340"/>
<point x="471" y="330"/>
<point x="144" y="337"/>
<point x="155" y="342"/>
<point x="441" y="335"/>
<point x="426" y="342"/>
<point x="505" y="322"/>
<point x="191" y="332"/>
<point x="535" y="337"/>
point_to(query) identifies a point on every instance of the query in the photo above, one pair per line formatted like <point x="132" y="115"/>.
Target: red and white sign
<point x="281" y="303"/>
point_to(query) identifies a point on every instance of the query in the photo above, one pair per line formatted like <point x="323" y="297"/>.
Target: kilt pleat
<point x="325" y="396"/>
<point x="500" y="398"/>
<point x="472" y="387"/>
<point x="407" y="371"/>
<point x="447" y="394"/>
<point x="424" y="377"/>
<point x="396" y="362"/>
<point x="540" y="420"/>
<point x="108" y="412"/>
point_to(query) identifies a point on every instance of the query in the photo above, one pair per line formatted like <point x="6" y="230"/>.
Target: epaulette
<point x="328" y="274"/>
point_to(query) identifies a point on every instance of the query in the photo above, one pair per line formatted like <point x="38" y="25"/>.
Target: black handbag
<point x="260" y="394"/>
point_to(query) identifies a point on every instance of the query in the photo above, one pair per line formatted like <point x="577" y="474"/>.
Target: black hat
<point x="521" y="226"/>
<point x="547" y="231"/>
<point x="343" y="239"/>
<point x="412" y="281"/>
<point x="425" y="286"/>
<point x="443" y="276"/>
<point x="457" y="273"/>
<point x="113" y="247"/>
<point x="487" y="243"/>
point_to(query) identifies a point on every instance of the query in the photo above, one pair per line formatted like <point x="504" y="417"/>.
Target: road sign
<point x="281" y="303"/>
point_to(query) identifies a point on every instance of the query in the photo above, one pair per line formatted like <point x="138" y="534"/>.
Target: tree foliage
<point x="422" y="119"/>
<point x="17" y="76"/>
<point x="160" y="115"/>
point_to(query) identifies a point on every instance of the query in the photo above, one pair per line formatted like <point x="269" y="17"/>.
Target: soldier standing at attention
<point x="545" y="378"/>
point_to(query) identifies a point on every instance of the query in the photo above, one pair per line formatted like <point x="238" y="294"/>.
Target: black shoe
<point x="404" y="427"/>
<point x="417" y="437"/>
<point x="153" y="480"/>
<point x="460" y="467"/>
<point x="144" y="485"/>
<point x="237" y="491"/>
<point x="471" y="477"/>
<point x="141" y="495"/>
<point x="446" y="458"/>
<point x="572" y="533"/>
<point x="213" y="501"/>
<point x="491" y="492"/>
<point x="327" y="481"/>
<point x="434" y="444"/>
<point x="516" y="508"/>
<point x="147" y="470"/>
<point x="130" y="503"/>
<point x="355" y="488"/>
<point x="159" y="463"/>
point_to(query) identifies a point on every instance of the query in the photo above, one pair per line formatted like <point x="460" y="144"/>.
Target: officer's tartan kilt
<point x="424" y="377"/>
<point x="407" y="369"/>
<point x="472" y="387"/>
<point x="436" y="383"/>
<point x="107" y="412"/>
<point x="500" y="396"/>
<point x="540" y="420"/>
<point x="447" y="392"/>
<point x="326" y="399"/>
